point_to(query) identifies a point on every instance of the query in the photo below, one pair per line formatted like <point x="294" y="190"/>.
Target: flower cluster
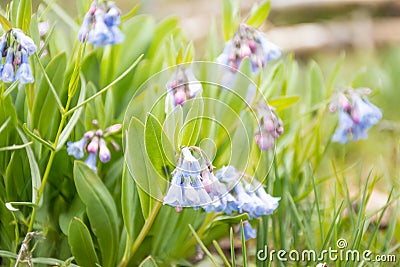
<point x="182" y="86"/>
<point x="248" y="42"/>
<point x="356" y="114"/>
<point x="93" y="142"/>
<point x="101" y="24"/>
<point x="270" y="127"/>
<point x="16" y="47"/>
<point x="194" y="184"/>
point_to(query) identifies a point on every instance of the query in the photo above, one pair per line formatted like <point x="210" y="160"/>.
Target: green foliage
<point x="116" y="217"/>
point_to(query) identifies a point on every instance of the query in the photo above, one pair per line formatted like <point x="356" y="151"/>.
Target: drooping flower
<point x="24" y="72"/>
<point x="356" y="115"/>
<point x="248" y="42"/>
<point x="91" y="161"/>
<point x="248" y="231"/>
<point x="182" y="86"/>
<point x="270" y="128"/>
<point x="7" y="74"/>
<point x="186" y="189"/>
<point x="94" y="143"/>
<point x="77" y="149"/>
<point x="16" y="46"/>
<point x="101" y="23"/>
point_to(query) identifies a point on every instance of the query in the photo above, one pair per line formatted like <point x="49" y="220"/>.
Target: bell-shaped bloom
<point x="24" y="73"/>
<point x="7" y="74"/>
<point x="355" y="116"/>
<point x="25" y="41"/>
<point x="91" y="161"/>
<point x="251" y="43"/>
<point x="181" y="87"/>
<point x="249" y="232"/>
<point x="104" y="152"/>
<point x="85" y="28"/>
<point x="100" y="35"/>
<point x="345" y="127"/>
<point x="93" y="146"/>
<point x="270" y="128"/>
<point x="77" y="149"/>
<point x="187" y="189"/>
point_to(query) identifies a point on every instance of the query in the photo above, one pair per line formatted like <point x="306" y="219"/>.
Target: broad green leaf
<point x="131" y="209"/>
<point x="140" y="166"/>
<point x="44" y="98"/>
<point x="158" y="148"/>
<point x="5" y="23"/>
<point x="282" y="103"/>
<point x="101" y="210"/>
<point x="230" y="17"/>
<point x="74" y="118"/>
<point x="24" y="15"/>
<point x="148" y="262"/>
<point x="241" y="142"/>
<point x="35" y="172"/>
<point x="225" y="219"/>
<point x="192" y="124"/>
<point x="81" y="243"/>
<point x="189" y="53"/>
<point x="259" y="13"/>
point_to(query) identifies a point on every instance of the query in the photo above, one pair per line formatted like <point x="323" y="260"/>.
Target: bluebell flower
<point x="24" y="73"/>
<point x="355" y="116"/>
<point x="100" y="25"/>
<point x="7" y="74"/>
<point x="104" y="152"/>
<point x="230" y="203"/>
<point x="251" y="43"/>
<point x="270" y="128"/>
<point x="85" y="28"/>
<point x="345" y="127"/>
<point x="270" y="203"/>
<point x="113" y="16"/>
<point x="181" y="87"/>
<point x="77" y="149"/>
<point x="91" y="161"/>
<point x="186" y="189"/>
<point x="249" y="232"/>
<point x="25" y="41"/>
<point x="93" y="146"/>
<point x="100" y="35"/>
<point x="3" y="44"/>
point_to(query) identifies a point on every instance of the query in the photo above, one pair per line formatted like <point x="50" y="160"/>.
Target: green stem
<point x="49" y="164"/>
<point x="146" y="228"/>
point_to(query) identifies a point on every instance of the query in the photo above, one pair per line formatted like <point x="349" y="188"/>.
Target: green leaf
<point x="15" y="147"/>
<point x="148" y="262"/>
<point x="192" y="124"/>
<point x="225" y="219"/>
<point x="24" y="15"/>
<point x="81" y="243"/>
<point x="74" y="118"/>
<point x="316" y="84"/>
<point x="282" y="103"/>
<point x="258" y="14"/>
<point x="163" y="30"/>
<point x="35" y="172"/>
<point x="62" y="15"/>
<point x="230" y="17"/>
<point x="101" y="210"/>
<point x="146" y="177"/>
<point x="5" y="23"/>
<point x="158" y="147"/>
<point x="44" y="98"/>
<point x="131" y="209"/>
<point x="241" y="142"/>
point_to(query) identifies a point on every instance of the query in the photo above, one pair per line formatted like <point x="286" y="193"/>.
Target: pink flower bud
<point x="104" y="153"/>
<point x="93" y="145"/>
<point x="114" y="128"/>
<point x="180" y="96"/>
